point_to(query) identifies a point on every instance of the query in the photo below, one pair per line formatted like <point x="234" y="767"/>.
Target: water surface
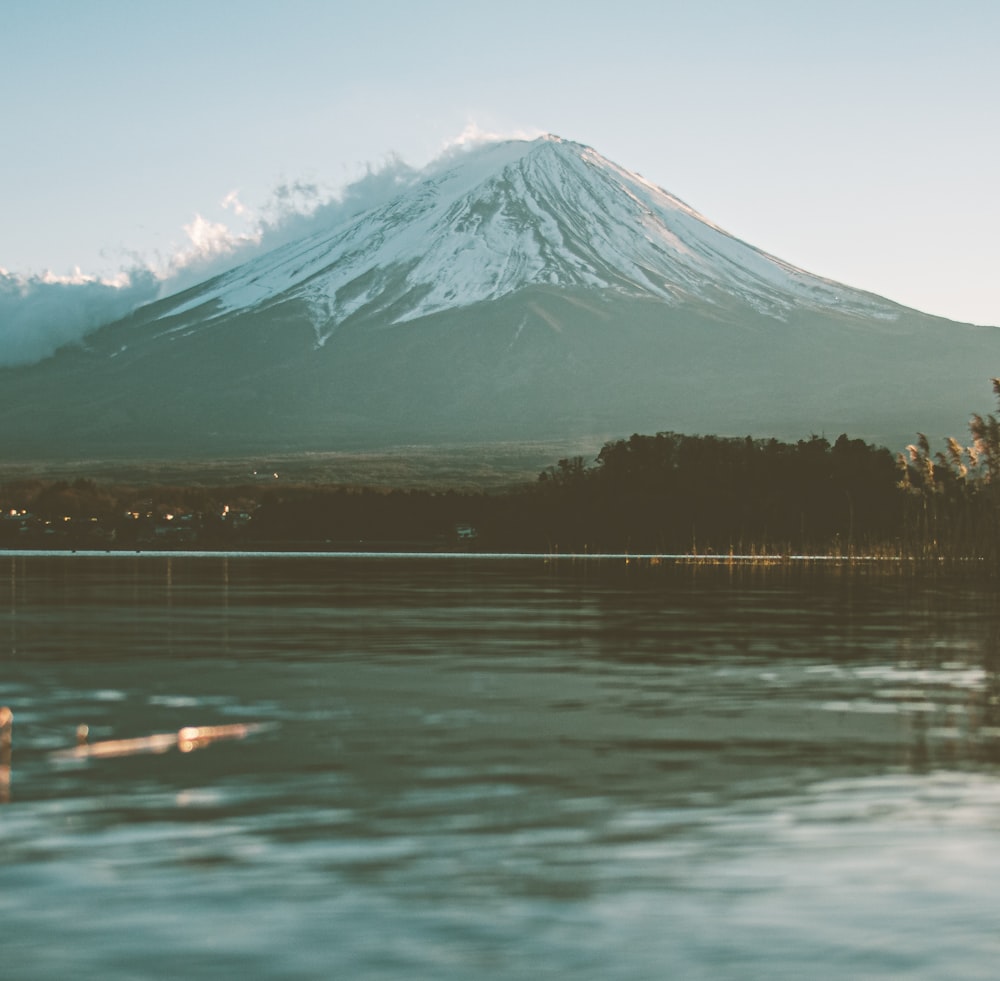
<point x="499" y="769"/>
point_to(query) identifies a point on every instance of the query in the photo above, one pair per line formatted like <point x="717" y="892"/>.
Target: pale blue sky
<point x="859" y="140"/>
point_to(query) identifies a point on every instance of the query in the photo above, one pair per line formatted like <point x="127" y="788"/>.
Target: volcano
<point x="517" y="291"/>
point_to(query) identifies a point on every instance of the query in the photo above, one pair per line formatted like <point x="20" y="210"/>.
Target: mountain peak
<point x="500" y="217"/>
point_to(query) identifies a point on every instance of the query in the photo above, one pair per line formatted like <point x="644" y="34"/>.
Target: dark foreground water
<point x="499" y="769"/>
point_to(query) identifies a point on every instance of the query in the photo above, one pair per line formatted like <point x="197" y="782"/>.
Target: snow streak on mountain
<point x="487" y="222"/>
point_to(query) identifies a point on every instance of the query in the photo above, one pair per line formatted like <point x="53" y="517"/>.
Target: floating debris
<point x="6" y="729"/>
<point x="186" y="740"/>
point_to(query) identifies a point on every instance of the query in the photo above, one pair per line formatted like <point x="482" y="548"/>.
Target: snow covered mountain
<point x="519" y="290"/>
<point x="516" y="214"/>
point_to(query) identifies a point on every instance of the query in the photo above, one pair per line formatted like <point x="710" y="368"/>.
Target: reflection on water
<point x="498" y="769"/>
<point x="6" y="732"/>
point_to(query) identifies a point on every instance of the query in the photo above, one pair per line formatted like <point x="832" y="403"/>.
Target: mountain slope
<point x="525" y="290"/>
<point x="517" y="214"/>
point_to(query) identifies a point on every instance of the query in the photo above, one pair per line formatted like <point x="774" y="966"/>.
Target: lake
<point x="464" y="767"/>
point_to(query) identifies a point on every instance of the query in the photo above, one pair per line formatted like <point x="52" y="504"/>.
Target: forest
<point x="665" y="493"/>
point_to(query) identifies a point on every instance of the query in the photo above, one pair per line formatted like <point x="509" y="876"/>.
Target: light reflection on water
<point x="500" y="770"/>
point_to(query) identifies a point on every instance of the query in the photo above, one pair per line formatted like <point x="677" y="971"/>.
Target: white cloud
<point x="232" y="202"/>
<point x="208" y="243"/>
<point x="475" y="135"/>
<point x="39" y="313"/>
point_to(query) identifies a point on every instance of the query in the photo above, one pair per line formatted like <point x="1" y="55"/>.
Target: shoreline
<point x="650" y="557"/>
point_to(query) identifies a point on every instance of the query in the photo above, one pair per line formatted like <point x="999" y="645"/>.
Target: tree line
<point x="676" y="493"/>
<point x="666" y="493"/>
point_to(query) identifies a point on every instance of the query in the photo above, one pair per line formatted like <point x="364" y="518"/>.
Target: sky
<point x="140" y="141"/>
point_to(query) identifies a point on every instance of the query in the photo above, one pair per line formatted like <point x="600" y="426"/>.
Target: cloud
<point x="298" y="210"/>
<point x="209" y="240"/>
<point x="233" y="203"/>
<point x="212" y="247"/>
<point x="41" y="313"/>
<point x="295" y="210"/>
<point x="475" y="135"/>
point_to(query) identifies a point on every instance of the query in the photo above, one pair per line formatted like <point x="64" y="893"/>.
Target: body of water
<point x="466" y="768"/>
